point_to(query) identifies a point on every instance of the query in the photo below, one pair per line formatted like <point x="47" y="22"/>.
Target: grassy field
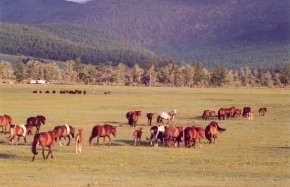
<point x="249" y="153"/>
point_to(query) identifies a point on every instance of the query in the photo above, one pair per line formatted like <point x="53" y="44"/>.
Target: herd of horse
<point x="232" y="112"/>
<point x="161" y="133"/>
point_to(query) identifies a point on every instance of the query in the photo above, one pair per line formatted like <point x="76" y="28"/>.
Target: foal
<point x="137" y="136"/>
<point x="79" y="141"/>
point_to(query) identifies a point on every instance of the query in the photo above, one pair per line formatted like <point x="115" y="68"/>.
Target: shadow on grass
<point x="282" y="147"/>
<point x="7" y="156"/>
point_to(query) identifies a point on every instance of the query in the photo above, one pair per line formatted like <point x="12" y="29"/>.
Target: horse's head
<point x="80" y="131"/>
<point x="41" y="119"/>
<point x="114" y="131"/>
<point x="72" y="131"/>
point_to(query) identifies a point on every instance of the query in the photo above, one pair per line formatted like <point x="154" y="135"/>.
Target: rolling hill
<point x="185" y="29"/>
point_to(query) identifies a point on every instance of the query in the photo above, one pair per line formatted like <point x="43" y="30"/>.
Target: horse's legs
<point x="25" y="140"/>
<point x="68" y="140"/>
<point x="59" y="141"/>
<point x="109" y="140"/>
<point x="50" y="152"/>
<point x="43" y="148"/>
<point x="104" y="142"/>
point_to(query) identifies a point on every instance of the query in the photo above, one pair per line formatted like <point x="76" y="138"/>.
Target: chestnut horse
<point x="79" y="141"/>
<point x="222" y="113"/>
<point x="102" y="131"/>
<point x="36" y="122"/>
<point x="4" y="122"/>
<point x="200" y="133"/>
<point x="206" y="115"/>
<point x="17" y="130"/>
<point x="65" y="131"/>
<point x="190" y="135"/>
<point x="172" y="134"/>
<point x="211" y="131"/>
<point x="137" y="136"/>
<point x="45" y="139"/>
<point x="150" y="117"/>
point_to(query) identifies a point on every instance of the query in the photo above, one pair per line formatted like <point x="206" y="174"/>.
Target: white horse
<point x="169" y="116"/>
<point x="161" y="129"/>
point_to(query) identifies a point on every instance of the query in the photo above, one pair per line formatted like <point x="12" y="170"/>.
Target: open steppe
<point x="249" y="153"/>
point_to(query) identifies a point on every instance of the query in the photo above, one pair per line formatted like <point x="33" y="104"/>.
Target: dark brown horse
<point x="102" y="131"/>
<point x="262" y="111"/>
<point x="246" y="111"/>
<point x="36" y="122"/>
<point x="172" y="134"/>
<point x="65" y="131"/>
<point x="150" y="117"/>
<point x="4" y="122"/>
<point x="137" y="136"/>
<point x="45" y="139"/>
<point x="211" y="131"/>
<point x="17" y="130"/>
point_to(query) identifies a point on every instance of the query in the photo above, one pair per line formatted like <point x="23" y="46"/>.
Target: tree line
<point x="170" y="74"/>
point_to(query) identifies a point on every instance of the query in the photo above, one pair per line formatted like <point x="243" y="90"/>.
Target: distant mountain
<point x="66" y="42"/>
<point x="169" y="27"/>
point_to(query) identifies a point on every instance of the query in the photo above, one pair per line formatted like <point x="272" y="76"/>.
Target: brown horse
<point x="102" y="131"/>
<point x="262" y="111"/>
<point x="36" y="122"/>
<point x="222" y="113"/>
<point x="45" y="139"/>
<point x="150" y="117"/>
<point x="211" y="114"/>
<point x="172" y="134"/>
<point x="79" y="141"/>
<point x="65" y="131"/>
<point x="137" y="136"/>
<point x="4" y="122"/>
<point x="132" y="117"/>
<point x="237" y="113"/>
<point x="211" y="131"/>
<point x="17" y="130"/>
<point x="205" y="115"/>
<point x="190" y="135"/>
<point x="200" y="133"/>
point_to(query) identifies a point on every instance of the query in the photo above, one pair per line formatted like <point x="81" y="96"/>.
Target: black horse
<point x="36" y="122"/>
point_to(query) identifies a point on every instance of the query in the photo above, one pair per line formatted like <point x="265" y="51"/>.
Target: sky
<point x="79" y="1"/>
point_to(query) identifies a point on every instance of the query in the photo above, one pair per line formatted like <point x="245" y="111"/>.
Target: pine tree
<point x="20" y="70"/>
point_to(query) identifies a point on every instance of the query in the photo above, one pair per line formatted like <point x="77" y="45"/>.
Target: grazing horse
<point x="237" y="113"/>
<point x="4" y="122"/>
<point x="262" y="111"/>
<point x="206" y="115"/>
<point x="36" y="121"/>
<point x="155" y="134"/>
<point x="137" y="136"/>
<point x="65" y="131"/>
<point x="231" y="112"/>
<point x="79" y="141"/>
<point x="211" y="131"/>
<point x="171" y="134"/>
<point x="17" y="130"/>
<point x="246" y="111"/>
<point x="150" y="117"/>
<point x="169" y="116"/>
<point x="102" y="131"/>
<point x="45" y="139"/>
<point x="211" y="114"/>
<point x="222" y="113"/>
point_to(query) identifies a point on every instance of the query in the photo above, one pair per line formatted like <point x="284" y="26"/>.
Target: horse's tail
<point x="93" y="135"/>
<point x="36" y="138"/>
<point x="220" y="129"/>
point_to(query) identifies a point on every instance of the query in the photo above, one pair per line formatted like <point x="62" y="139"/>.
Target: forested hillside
<point x="64" y="42"/>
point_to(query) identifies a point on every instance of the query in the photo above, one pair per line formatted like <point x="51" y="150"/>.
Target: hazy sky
<point x="80" y="1"/>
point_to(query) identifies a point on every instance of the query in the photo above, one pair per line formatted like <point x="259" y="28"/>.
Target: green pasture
<point x="249" y="153"/>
